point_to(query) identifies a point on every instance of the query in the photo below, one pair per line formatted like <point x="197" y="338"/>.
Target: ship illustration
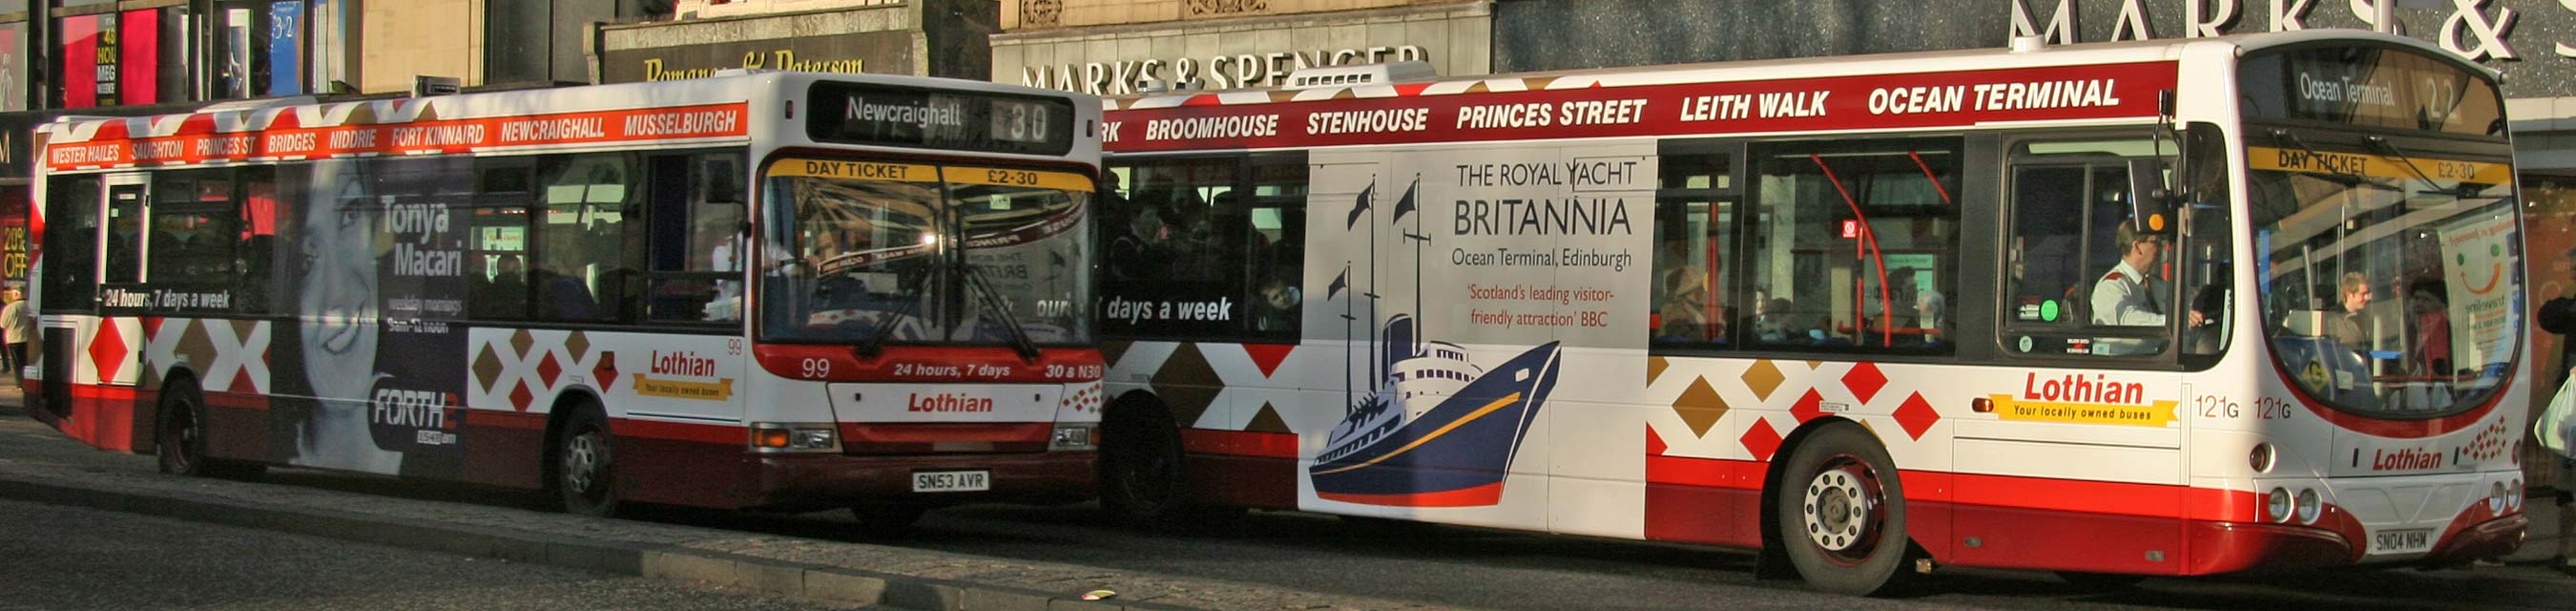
<point x="1432" y="429"/>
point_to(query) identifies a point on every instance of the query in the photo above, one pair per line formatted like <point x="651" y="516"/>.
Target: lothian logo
<point x="948" y="403"/>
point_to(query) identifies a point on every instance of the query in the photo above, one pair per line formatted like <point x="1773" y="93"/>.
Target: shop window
<point x="1854" y="245"/>
<point x="125" y="58"/>
<point x="266" y="47"/>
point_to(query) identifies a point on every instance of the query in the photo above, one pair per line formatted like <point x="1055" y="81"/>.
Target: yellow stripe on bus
<point x="2375" y="166"/>
<point x="862" y="170"/>
<point x="905" y="172"/>
<point x="1061" y="181"/>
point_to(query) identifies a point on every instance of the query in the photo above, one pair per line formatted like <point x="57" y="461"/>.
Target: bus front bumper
<point x="2228" y="547"/>
<point x="818" y="481"/>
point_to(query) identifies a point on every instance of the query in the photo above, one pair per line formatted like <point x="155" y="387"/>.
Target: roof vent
<point x="1361" y="74"/>
<point x="2029" y="44"/>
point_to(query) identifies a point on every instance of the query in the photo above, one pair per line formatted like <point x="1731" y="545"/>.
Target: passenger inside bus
<point x="2353" y="326"/>
<point x="564" y="295"/>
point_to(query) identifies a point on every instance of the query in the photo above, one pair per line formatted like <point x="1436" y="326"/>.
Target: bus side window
<point x="1275" y="243"/>
<point x="125" y="234"/>
<point x="1858" y="244"/>
<point x="256" y="222"/>
<point x="584" y="263"/>
<point x="71" y="243"/>
<point x="696" y="240"/>
<point x="2077" y="283"/>
<point x="194" y="227"/>
<point x="497" y="245"/>
<point x="1695" y="208"/>
<point x="2208" y="260"/>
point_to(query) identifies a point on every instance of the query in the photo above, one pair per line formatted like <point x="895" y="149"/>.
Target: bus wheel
<point x="1140" y="464"/>
<point x="1841" y="513"/>
<point x="584" y="467"/>
<point x="180" y="440"/>
<point x="889" y="517"/>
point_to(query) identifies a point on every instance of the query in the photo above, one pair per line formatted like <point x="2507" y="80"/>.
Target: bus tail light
<point x="2261" y="460"/>
<point x="2276" y="506"/>
<point x="2310" y="506"/>
<point x="781" y="437"/>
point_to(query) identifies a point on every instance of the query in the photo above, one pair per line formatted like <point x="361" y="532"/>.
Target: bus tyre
<point x="180" y="437"/>
<point x="584" y="467"/>
<point x="1840" y="511"/>
<point x="1140" y="465"/>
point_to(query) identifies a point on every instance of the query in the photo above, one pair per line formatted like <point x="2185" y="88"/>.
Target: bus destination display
<point x="883" y="115"/>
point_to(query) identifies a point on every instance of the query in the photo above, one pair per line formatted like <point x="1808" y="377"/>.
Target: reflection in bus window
<point x="1694" y="215"/>
<point x="1210" y="230"/>
<point x="1857" y="244"/>
<point x="579" y="274"/>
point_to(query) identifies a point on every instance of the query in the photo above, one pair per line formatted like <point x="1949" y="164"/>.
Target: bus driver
<point x="2122" y="297"/>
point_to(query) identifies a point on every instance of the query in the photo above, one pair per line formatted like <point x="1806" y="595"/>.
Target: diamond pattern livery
<point x="1761" y="439"/>
<point x="1762" y="378"/>
<point x="107" y="350"/>
<point x="1917" y="416"/>
<point x="1700" y="407"/>
<point x="1809" y="407"/>
<point x="1864" y="380"/>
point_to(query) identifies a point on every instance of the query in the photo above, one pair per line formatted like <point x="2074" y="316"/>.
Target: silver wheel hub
<point x="1837" y="510"/>
<point x="581" y="462"/>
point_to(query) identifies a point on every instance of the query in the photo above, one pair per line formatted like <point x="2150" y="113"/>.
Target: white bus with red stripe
<point x="2152" y="308"/>
<point x="764" y="289"/>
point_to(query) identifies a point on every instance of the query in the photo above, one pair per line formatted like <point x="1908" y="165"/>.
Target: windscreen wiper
<point x="911" y="303"/>
<point x="2391" y="147"/>
<point x="993" y="301"/>
<point x="2320" y="157"/>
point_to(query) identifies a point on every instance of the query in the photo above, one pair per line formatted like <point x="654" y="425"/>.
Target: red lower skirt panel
<point x="505" y="448"/>
<point x="699" y="465"/>
<point x="1241" y="468"/>
<point x="105" y="417"/>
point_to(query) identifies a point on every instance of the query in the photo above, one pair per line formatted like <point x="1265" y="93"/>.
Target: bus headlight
<point x="797" y="437"/>
<point x="2495" y="498"/>
<point x="2513" y="496"/>
<point x="2276" y="506"/>
<point x="2309" y="506"/>
<point x="2261" y="460"/>
<point x="1074" y="437"/>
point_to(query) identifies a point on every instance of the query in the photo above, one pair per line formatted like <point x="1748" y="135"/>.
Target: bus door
<point x="2082" y="438"/>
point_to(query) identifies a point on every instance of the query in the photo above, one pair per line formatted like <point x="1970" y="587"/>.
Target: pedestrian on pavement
<point x="16" y="327"/>
<point x="2559" y="316"/>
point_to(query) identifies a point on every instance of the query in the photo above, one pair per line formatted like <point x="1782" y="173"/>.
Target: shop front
<point x="919" y="37"/>
<point x="1230" y="45"/>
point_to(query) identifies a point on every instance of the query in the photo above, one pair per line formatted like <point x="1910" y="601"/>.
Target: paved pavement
<point x="509" y="527"/>
<point x="41" y="465"/>
<point x="76" y="559"/>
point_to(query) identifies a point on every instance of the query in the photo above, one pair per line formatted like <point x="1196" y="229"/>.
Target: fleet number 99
<point x="816" y="368"/>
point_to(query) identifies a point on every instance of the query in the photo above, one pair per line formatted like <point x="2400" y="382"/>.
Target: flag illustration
<point x="1340" y="282"/>
<point x="1362" y="208"/>
<point x="1405" y="204"/>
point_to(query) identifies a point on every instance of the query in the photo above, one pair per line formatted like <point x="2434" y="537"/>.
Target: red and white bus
<point x="756" y="290"/>
<point x="2153" y="308"/>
